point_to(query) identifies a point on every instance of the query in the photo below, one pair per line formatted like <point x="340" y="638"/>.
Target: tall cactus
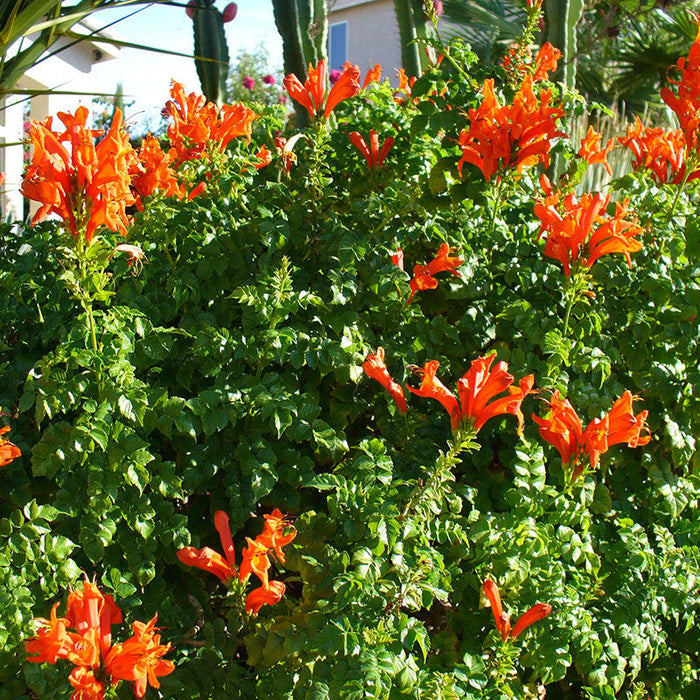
<point x="413" y="24"/>
<point x="210" y="50"/>
<point x="303" y="26"/>
<point x="562" y="17"/>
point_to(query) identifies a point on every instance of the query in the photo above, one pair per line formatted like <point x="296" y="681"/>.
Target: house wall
<point x="373" y="33"/>
<point x="68" y="70"/>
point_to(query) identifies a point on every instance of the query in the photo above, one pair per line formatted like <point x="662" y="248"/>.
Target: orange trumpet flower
<point x="510" y="136"/>
<point x="375" y="368"/>
<point x="88" y="186"/>
<point x="562" y="428"/>
<point x="591" y="151"/>
<point x="312" y="94"/>
<point x="476" y="389"/>
<point x="579" y="231"/>
<point x="8" y="451"/>
<point x="423" y="275"/>
<point x="372" y="154"/>
<point x="534" y="614"/>
<point x="276" y="534"/>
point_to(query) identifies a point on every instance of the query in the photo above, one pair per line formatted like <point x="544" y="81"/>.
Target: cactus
<point x="210" y="50"/>
<point x="561" y="18"/>
<point x="303" y="26"/>
<point x="413" y="24"/>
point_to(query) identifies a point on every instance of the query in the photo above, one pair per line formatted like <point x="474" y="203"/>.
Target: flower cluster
<point x="658" y="150"/>
<point x="198" y="125"/>
<point x="312" y="94"/>
<point x="515" y="136"/>
<point x="476" y="389"/>
<point x="97" y="662"/>
<point x="563" y="429"/>
<point x="685" y="102"/>
<point x="579" y="231"/>
<point x="276" y="533"/>
<point x="534" y="614"/>
<point x="86" y="185"/>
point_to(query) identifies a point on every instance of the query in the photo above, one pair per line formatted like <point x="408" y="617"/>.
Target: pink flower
<point x="230" y="12"/>
<point x="334" y="76"/>
<point x="269" y="80"/>
<point x="248" y="83"/>
<point x="437" y="6"/>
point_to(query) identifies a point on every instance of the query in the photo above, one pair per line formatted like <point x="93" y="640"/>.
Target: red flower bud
<point x="189" y="10"/>
<point x="230" y="12"/>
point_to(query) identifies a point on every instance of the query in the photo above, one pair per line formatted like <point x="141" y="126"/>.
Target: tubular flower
<point x="423" y="275"/>
<point x="90" y="649"/>
<point x="510" y="136"/>
<point x="579" y="231"/>
<point x="140" y="658"/>
<point x="277" y="533"/>
<point x="660" y="151"/>
<point x="52" y="641"/>
<point x="685" y="101"/>
<point x="431" y="387"/>
<point x="373" y="75"/>
<point x="375" y="368"/>
<point x="373" y="156"/>
<point x="285" y="148"/>
<point x="562" y="428"/>
<point x="150" y="172"/>
<point x="264" y="157"/>
<point x="208" y="560"/>
<point x="481" y="384"/>
<point x="475" y="389"/>
<point x="518" y="62"/>
<point x="264" y="596"/>
<point x="591" y="151"/>
<point x="403" y="92"/>
<point x="8" y="451"/>
<point x="87" y="187"/>
<point x="312" y="94"/>
<point x="198" y="125"/>
<point x="546" y="61"/>
<point x="87" y="687"/>
<point x="535" y="613"/>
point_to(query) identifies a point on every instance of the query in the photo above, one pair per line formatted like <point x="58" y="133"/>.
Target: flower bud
<point x="189" y="10"/>
<point x="230" y="12"/>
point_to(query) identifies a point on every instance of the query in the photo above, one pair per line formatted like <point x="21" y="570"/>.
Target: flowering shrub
<point x="225" y="376"/>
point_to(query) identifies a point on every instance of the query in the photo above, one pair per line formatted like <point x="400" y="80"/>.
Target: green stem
<point x="679" y="191"/>
<point x="497" y="203"/>
<point x="91" y="324"/>
<point x="570" y="305"/>
<point x="462" y="441"/>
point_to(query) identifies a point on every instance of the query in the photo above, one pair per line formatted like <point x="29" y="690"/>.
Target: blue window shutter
<point x="338" y="45"/>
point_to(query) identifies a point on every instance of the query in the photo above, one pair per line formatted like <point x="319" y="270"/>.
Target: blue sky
<point x="146" y="76"/>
